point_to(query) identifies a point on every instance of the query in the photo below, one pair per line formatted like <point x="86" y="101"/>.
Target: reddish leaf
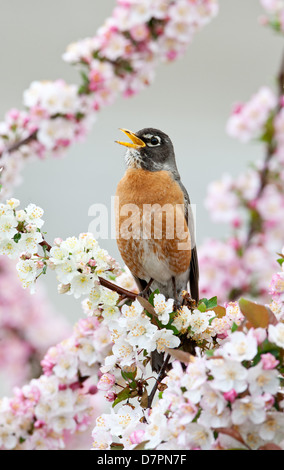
<point x="140" y="446"/>
<point x="220" y="311"/>
<point x="145" y="304"/>
<point x="258" y="315"/>
<point x="181" y="356"/>
<point x="270" y="446"/>
<point x="232" y="432"/>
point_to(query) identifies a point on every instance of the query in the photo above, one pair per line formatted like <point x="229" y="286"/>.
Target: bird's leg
<point x="174" y="287"/>
<point x="177" y="303"/>
<point x="144" y="292"/>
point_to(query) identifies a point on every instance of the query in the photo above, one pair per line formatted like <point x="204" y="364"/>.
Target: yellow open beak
<point x="136" y="142"/>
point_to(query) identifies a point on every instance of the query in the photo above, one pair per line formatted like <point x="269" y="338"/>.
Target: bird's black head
<point x="150" y="149"/>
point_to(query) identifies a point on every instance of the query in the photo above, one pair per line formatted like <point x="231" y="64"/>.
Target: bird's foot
<point x="145" y="292"/>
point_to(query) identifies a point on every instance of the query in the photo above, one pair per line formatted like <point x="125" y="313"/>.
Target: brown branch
<point x="19" y="144"/>
<point x="120" y="290"/>
<point x="46" y="245"/>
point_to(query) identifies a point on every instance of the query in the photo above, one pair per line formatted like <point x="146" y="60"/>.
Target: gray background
<point x="190" y="100"/>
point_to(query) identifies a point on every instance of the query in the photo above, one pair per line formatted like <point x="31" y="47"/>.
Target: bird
<point x="157" y="240"/>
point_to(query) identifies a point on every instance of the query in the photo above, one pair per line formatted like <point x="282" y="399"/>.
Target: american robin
<point x="154" y="223"/>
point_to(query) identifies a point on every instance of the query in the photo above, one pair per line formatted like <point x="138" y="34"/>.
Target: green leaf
<point x="212" y="303"/>
<point x="234" y="327"/>
<point x="17" y="237"/>
<point x="209" y="304"/>
<point x="151" y="298"/>
<point x="129" y="377"/>
<point x="209" y="353"/>
<point x="171" y="327"/>
<point x="84" y="77"/>
<point x="123" y="395"/>
<point x="202" y="307"/>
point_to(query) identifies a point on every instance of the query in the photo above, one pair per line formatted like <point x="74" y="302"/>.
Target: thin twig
<point x="160" y="377"/>
<point x="120" y="290"/>
<point x="19" y="144"/>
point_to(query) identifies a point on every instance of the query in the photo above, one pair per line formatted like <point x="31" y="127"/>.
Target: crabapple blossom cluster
<point x="134" y="336"/>
<point x="20" y="237"/>
<point x="252" y="204"/>
<point x="248" y="120"/>
<point x="133" y="331"/>
<point x="226" y="398"/>
<point x="77" y="261"/>
<point x="28" y="327"/>
<point x="119" y="59"/>
<point x="123" y="54"/>
<point x="229" y="400"/>
<point x="42" y="414"/>
<point x="276" y="290"/>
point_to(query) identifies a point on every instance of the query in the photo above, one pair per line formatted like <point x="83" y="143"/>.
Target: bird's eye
<point x="154" y="141"/>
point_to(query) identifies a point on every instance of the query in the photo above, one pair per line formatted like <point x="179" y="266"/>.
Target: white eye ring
<point x="149" y="137"/>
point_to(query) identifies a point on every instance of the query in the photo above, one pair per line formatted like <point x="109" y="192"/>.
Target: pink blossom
<point x="137" y="436"/>
<point x="268" y="361"/>
<point x="230" y="396"/>
<point x="106" y="382"/>
<point x="110" y="396"/>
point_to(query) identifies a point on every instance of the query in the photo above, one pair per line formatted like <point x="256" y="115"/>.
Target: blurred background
<point x="190" y="100"/>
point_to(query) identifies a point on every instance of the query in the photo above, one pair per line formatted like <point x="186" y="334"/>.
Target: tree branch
<point x="19" y="144"/>
<point x="120" y="290"/>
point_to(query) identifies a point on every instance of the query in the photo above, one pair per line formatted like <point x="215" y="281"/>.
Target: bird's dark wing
<point x="194" y="268"/>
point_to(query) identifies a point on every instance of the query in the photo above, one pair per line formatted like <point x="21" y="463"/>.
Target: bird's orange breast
<point x="151" y="230"/>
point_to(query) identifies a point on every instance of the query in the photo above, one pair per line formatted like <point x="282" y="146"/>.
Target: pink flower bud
<point x="75" y="386"/>
<point x="110" y="396"/>
<point x="259" y="334"/>
<point x="106" y="382"/>
<point x="269" y="400"/>
<point x="137" y="436"/>
<point x="237" y="108"/>
<point x="230" y="395"/>
<point x="268" y="361"/>
<point x="58" y="241"/>
<point x="93" y="390"/>
<point x="281" y="101"/>
<point x="92" y="262"/>
<point x="39" y="424"/>
<point x="62" y="387"/>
